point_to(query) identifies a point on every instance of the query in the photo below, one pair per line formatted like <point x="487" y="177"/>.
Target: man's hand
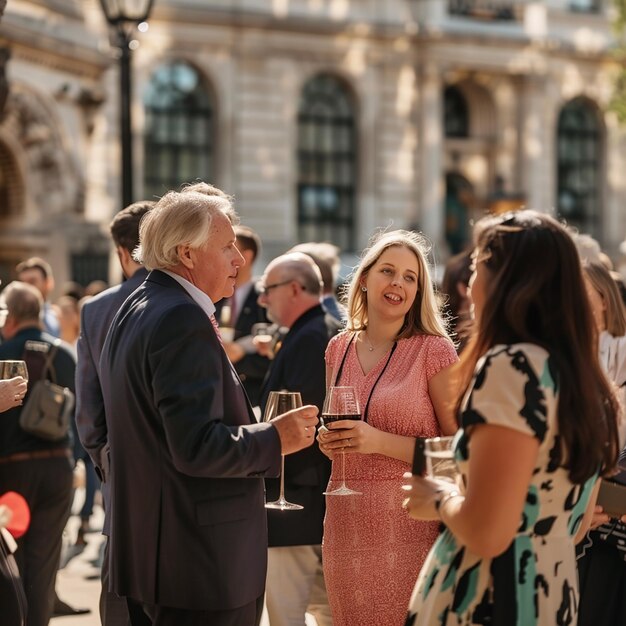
<point x="296" y="428"/>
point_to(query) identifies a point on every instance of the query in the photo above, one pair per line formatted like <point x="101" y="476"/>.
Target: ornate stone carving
<point x="53" y="179"/>
<point x="5" y="54"/>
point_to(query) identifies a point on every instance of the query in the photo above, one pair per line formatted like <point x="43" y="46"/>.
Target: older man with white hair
<point x="188" y="530"/>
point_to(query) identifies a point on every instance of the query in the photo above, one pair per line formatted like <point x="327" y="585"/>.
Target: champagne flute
<point x="11" y="369"/>
<point x="341" y="403"/>
<point x="280" y="402"/>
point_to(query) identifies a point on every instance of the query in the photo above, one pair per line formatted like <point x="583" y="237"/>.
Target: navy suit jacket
<point x="95" y="320"/>
<point x="188" y="527"/>
<point x="299" y="366"/>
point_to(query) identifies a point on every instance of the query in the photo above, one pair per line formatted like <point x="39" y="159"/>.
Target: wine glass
<point x="280" y="402"/>
<point x="341" y="403"/>
<point x="11" y="369"/>
<point x="263" y="338"/>
<point x="440" y="462"/>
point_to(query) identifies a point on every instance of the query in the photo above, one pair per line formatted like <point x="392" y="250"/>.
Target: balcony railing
<point x="497" y="10"/>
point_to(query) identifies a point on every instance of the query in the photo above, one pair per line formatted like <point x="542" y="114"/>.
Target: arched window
<point x="455" y="113"/>
<point x="326" y="163"/>
<point x="579" y="157"/>
<point x="178" y="142"/>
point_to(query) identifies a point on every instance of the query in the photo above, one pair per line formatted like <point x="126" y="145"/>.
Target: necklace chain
<point x="370" y="346"/>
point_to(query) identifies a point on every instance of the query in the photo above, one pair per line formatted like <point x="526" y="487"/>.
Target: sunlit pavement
<point x="74" y="582"/>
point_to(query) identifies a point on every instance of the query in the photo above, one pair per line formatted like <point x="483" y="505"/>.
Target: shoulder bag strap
<point x="48" y="365"/>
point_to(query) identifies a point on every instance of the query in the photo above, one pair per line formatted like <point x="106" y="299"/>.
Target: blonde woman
<point x="397" y="355"/>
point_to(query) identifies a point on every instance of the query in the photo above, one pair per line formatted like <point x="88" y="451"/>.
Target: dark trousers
<point x="602" y="576"/>
<point x="91" y="486"/>
<point x="113" y="609"/>
<point x="46" y="484"/>
<point x="248" y="615"/>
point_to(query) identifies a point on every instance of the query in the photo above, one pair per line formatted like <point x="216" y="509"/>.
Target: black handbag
<point x="48" y="408"/>
<point x="12" y="596"/>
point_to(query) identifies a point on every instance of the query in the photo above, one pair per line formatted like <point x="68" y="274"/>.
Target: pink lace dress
<point x="372" y="550"/>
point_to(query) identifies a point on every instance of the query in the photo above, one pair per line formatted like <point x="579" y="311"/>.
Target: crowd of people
<point x="519" y="355"/>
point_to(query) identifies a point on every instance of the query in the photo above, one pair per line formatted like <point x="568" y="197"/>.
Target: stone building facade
<point x="325" y="119"/>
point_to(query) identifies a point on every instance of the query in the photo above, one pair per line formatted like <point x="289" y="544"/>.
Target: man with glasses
<point x="291" y="291"/>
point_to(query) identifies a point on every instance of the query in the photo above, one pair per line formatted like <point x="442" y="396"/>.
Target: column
<point x="431" y="217"/>
<point x="536" y="141"/>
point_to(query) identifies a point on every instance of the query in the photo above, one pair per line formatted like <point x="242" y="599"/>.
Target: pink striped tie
<point x="217" y="328"/>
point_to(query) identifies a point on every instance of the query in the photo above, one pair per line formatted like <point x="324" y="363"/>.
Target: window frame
<point x="327" y="162"/>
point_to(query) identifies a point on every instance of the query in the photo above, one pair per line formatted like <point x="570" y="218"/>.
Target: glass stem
<point x="343" y="469"/>
<point x="282" y="477"/>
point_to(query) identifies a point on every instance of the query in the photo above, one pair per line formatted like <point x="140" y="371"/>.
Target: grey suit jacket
<point x="95" y="320"/>
<point x="188" y="527"/>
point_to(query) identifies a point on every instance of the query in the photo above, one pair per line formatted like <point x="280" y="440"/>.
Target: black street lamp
<point x="125" y="16"/>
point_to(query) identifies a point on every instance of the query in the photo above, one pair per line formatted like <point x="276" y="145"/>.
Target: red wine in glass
<point x="329" y="419"/>
<point x="341" y="403"/>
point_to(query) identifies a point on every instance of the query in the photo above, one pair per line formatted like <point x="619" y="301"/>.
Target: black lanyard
<point x="343" y="360"/>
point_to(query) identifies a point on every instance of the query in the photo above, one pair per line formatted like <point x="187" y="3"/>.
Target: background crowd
<point x="520" y="353"/>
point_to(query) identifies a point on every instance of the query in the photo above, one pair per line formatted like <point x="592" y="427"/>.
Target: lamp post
<point x="124" y="16"/>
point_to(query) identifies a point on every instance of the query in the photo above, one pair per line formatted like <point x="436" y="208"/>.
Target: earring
<point x="364" y="289"/>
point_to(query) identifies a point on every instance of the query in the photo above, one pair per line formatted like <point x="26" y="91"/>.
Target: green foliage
<point x="620" y="19"/>
<point x="618" y="99"/>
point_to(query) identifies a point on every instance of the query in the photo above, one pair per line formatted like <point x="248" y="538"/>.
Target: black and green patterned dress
<point x="534" y="582"/>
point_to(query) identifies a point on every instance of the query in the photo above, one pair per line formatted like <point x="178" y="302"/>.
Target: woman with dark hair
<point x="455" y="288"/>
<point x="538" y="423"/>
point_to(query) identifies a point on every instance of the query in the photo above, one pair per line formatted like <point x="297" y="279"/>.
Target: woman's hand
<point x="321" y="431"/>
<point x="12" y="392"/>
<point x="348" y="436"/>
<point x="423" y="495"/>
<point x="599" y="517"/>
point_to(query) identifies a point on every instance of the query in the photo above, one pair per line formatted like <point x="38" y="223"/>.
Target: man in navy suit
<point x="96" y="317"/>
<point x="291" y="290"/>
<point x="187" y="459"/>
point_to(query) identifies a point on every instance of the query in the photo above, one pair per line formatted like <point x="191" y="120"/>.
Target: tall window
<point x="178" y="143"/>
<point x="578" y="166"/>
<point x="585" y="6"/>
<point x="326" y="163"/>
<point x="455" y="113"/>
<point x="89" y="266"/>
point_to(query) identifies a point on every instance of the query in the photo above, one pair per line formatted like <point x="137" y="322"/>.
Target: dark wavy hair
<point x="536" y="294"/>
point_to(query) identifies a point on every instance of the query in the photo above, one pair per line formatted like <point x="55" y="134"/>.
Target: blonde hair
<point x="605" y="285"/>
<point x="178" y="219"/>
<point x="424" y="315"/>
